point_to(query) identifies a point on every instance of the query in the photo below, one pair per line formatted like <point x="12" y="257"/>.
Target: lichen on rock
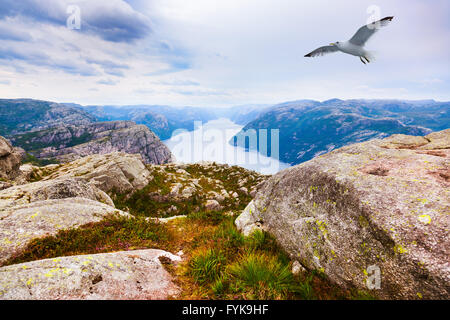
<point x="382" y="203"/>
<point x="126" y="275"/>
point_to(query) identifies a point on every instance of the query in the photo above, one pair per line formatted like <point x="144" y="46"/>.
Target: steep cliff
<point x="67" y="143"/>
<point x="10" y="158"/>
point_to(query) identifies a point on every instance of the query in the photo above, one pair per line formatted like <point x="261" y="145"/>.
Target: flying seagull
<point x="355" y="46"/>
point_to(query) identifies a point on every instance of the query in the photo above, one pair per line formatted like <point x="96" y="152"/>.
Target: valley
<point x="97" y="202"/>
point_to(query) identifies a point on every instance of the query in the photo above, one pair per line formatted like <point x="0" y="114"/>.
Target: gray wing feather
<point x="364" y="33"/>
<point x="322" y="51"/>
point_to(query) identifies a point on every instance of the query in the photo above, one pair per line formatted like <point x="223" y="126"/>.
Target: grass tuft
<point x="263" y="276"/>
<point x="205" y="266"/>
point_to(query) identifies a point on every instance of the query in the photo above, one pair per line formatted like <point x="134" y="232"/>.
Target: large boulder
<point x="51" y="189"/>
<point x="109" y="276"/>
<point x="377" y="210"/>
<point x="21" y="223"/>
<point x="119" y="172"/>
<point x="10" y="159"/>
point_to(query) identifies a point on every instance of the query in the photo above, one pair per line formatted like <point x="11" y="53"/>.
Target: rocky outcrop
<point x="372" y="211"/>
<point x="130" y="275"/>
<point x="119" y="172"/>
<point x="180" y="189"/>
<point x="9" y="160"/>
<point x="51" y="189"/>
<point x="67" y="143"/>
<point x="21" y="223"/>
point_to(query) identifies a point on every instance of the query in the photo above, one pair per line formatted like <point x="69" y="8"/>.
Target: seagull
<point x="355" y="46"/>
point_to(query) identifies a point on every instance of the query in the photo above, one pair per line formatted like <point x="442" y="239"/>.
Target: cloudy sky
<point x="218" y="52"/>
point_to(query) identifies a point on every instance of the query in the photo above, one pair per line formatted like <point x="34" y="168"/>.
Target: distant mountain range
<point x="242" y="114"/>
<point x="307" y="128"/>
<point x="310" y="128"/>
<point x="24" y="115"/>
<point x="162" y="120"/>
<point x="51" y="132"/>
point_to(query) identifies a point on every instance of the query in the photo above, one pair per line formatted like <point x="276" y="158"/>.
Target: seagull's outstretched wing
<point x="322" y="50"/>
<point x="364" y="33"/>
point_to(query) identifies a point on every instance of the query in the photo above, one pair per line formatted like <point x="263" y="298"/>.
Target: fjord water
<point x="209" y="142"/>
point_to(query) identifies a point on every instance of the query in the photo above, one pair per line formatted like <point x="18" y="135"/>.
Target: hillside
<point x="22" y="115"/>
<point x="162" y="120"/>
<point x="310" y="128"/>
<point x="65" y="143"/>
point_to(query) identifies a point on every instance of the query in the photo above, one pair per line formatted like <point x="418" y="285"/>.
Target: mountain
<point x="310" y="128"/>
<point x="162" y="120"/>
<point x="242" y="114"/>
<point x="69" y="142"/>
<point x="22" y="115"/>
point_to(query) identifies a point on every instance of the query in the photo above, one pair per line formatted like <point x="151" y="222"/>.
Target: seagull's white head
<point x="335" y="44"/>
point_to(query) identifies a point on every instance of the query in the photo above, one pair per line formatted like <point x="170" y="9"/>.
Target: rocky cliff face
<point x="114" y="172"/>
<point x="67" y="143"/>
<point x="9" y="160"/>
<point x="372" y="215"/>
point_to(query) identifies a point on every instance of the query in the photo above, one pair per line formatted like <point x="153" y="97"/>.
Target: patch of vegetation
<point x="151" y="200"/>
<point x="155" y="199"/>
<point x="205" y="266"/>
<point x="205" y="182"/>
<point x="37" y="140"/>
<point x="218" y="261"/>
<point x="114" y="233"/>
<point x="208" y="217"/>
<point x="224" y="264"/>
<point x="233" y="179"/>
<point x="260" y="276"/>
<point x="29" y="158"/>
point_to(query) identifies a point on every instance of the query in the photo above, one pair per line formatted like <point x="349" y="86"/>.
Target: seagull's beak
<point x="332" y="44"/>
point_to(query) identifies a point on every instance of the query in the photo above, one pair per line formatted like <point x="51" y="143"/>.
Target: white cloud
<point x="211" y="52"/>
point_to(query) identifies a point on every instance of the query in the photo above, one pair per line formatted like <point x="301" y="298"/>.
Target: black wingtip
<point x="387" y="19"/>
<point x="307" y="55"/>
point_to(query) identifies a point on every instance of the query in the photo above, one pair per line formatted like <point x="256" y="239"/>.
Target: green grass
<point x="227" y="265"/>
<point x="29" y="158"/>
<point x="153" y="200"/>
<point x="206" y="266"/>
<point x="208" y="217"/>
<point x="260" y="276"/>
<point x="114" y="233"/>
